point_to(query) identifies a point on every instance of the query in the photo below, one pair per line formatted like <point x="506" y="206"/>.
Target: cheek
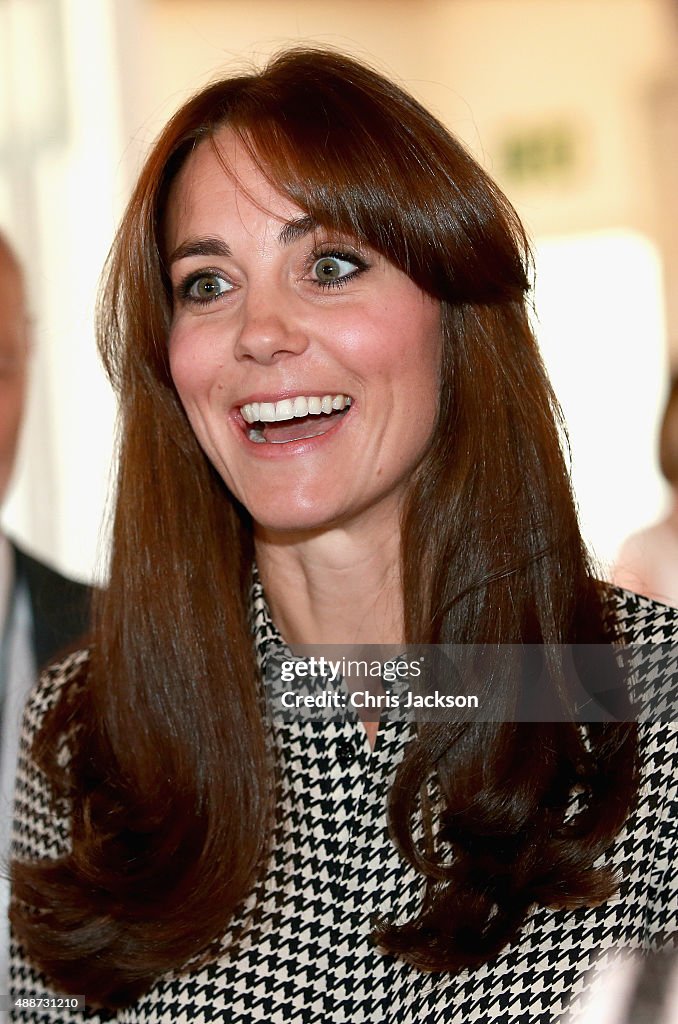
<point x="401" y="338"/>
<point x="430" y="347"/>
<point x="418" y="360"/>
<point x="194" y="366"/>
<point x="413" y="346"/>
<point x="198" y="377"/>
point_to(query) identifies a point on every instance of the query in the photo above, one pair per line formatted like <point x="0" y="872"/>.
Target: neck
<point x="333" y="587"/>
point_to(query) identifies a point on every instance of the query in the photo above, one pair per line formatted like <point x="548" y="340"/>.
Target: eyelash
<point x="338" y="254"/>
<point x="183" y="290"/>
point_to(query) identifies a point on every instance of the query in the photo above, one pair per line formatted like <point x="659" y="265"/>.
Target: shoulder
<point x="652" y="629"/>
<point x="647" y="539"/>
<point x="55" y="684"/>
<point x="38" y="572"/>
<point x="648" y="562"/>
<point x="60" y="606"/>
<point x="640" y="619"/>
<point x="643" y="853"/>
<point x="40" y="827"/>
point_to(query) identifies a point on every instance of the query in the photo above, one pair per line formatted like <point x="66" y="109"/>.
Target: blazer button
<point x="345" y="752"/>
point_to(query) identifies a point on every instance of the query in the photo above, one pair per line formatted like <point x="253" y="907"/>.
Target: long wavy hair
<point x="169" y="782"/>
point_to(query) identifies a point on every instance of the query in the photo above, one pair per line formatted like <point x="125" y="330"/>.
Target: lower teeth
<point x="258" y="437"/>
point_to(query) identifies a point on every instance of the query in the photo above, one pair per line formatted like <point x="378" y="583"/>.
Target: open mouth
<point x="293" y="419"/>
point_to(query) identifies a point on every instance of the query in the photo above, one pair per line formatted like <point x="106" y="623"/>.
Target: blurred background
<point x="572" y="105"/>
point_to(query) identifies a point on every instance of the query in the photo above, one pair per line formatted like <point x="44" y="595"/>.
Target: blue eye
<point x="205" y="287"/>
<point x="335" y="268"/>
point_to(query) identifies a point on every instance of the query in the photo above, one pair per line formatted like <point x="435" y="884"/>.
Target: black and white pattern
<point x="303" y="953"/>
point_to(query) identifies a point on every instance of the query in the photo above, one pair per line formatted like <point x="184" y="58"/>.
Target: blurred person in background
<point x="630" y="988"/>
<point x="336" y="427"/>
<point x="41" y="612"/>
<point x="648" y="560"/>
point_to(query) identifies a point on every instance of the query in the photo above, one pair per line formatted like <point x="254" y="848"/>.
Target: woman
<point x="315" y="317"/>
<point x="648" y="560"/>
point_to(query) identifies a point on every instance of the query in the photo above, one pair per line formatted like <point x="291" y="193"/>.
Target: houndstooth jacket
<point x="300" y="950"/>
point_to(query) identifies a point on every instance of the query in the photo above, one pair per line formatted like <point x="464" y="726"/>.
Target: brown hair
<point x="171" y="801"/>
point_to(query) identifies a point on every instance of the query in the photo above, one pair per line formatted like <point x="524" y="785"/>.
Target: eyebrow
<point x="206" y="246"/>
<point x="212" y="246"/>
<point x="295" y="229"/>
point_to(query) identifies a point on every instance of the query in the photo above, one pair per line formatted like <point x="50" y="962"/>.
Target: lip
<point x="287" y="448"/>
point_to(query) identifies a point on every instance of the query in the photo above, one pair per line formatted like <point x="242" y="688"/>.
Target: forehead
<point x="221" y="189"/>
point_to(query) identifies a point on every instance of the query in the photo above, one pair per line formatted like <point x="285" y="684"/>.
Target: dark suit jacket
<point x="60" y="607"/>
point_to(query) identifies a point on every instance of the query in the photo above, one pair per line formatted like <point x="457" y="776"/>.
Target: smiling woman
<point x="335" y="428"/>
<point x="299" y="323"/>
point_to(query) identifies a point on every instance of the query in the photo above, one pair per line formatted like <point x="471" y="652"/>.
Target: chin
<point x="292" y="525"/>
<point x="297" y="517"/>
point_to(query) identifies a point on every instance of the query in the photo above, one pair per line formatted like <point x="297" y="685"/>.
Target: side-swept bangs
<point x="360" y="156"/>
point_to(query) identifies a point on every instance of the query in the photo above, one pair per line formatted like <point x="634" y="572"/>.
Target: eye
<point x="205" y="287"/>
<point x="334" y="269"/>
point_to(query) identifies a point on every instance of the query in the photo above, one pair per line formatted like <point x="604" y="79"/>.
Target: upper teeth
<point x="291" y="408"/>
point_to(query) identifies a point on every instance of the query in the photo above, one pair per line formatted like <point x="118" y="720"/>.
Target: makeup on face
<point x="308" y="364"/>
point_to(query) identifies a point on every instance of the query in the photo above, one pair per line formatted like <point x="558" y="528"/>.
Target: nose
<point x="270" y="330"/>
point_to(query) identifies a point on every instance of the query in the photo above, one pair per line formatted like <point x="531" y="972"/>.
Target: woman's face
<point x="307" y="364"/>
